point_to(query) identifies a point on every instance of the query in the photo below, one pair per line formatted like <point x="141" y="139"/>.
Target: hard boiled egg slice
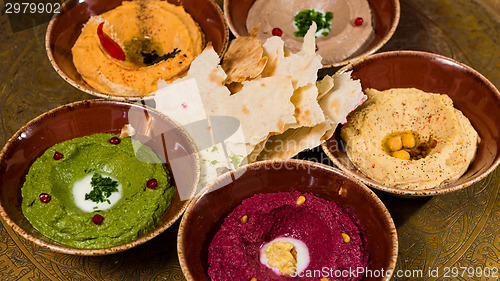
<point x="285" y="256"/>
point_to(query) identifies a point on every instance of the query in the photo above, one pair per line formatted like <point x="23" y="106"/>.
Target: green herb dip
<point x="135" y="213"/>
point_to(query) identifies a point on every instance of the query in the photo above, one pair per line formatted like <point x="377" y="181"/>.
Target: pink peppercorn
<point x="44" y="198"/>
<point x="97" y="219"/>
<point x="152" y="183"/>
<point x="358" y="21"/>
<point x="277" y="31"/>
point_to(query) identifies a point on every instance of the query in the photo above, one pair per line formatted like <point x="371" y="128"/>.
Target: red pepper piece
<point x="109" y="44"/>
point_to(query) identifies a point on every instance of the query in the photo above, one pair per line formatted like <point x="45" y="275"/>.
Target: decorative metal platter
<point x="441" y="238"/>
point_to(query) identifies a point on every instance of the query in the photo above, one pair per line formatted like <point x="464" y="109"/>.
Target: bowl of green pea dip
<point x="71" y="182"/>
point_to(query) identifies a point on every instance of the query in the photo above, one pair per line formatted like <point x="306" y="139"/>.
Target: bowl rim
<point x="382" y="42"/>
<point x="260" y="164"/>
<point x="109" y="250"/>
<point x="89" y="89"/>
<point x="443" y="189"/>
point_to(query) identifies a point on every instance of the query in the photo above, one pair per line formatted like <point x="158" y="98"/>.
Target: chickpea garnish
<point x="401" y="154"/>
<point x="346" y="238"/>
<point x="324" y="279"/>
<point x="407" y="145"/>
<point x="253" y="279"/>
<point x="395" y="143"/>
<point x="409" y="141"/>
<point x="433" y="143"/>
<point x="244" y="219"/>
<point x="301" y="200"/>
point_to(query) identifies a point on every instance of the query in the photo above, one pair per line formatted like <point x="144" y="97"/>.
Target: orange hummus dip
<point x="160" y="40"/>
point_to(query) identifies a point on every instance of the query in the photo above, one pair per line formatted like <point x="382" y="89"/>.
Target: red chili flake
<point x="109" y="44"/>
<point x="184" y="105"/>
<point x="358" y="21"/>
<point x="152" y="183"/>
<point x="114" y="140"/>
<point x="58" y="155"/>
<point x="277" y="31"/>
<point x="44" y="197"/>
<point x="97" y="219"/>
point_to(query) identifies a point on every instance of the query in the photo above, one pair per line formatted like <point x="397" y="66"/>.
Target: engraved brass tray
<point x="437" y="235"/>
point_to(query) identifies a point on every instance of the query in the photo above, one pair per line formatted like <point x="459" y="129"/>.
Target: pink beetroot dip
<point x="234" y="251"/>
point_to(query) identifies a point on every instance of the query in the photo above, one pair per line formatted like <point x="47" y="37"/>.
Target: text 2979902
<point x="32" y="8"/>
<point x="471" y="272"/>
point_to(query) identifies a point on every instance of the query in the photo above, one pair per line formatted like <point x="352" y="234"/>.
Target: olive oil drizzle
<point x="143" y="50"/>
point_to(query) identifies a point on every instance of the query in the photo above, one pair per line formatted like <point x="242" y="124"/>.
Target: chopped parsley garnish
<point x="305" y="18"/>
<point x="102" y="187"/>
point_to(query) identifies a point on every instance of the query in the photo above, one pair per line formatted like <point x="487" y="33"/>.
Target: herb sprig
<point x="102" y="187"/>
<point x="305" y="18"/>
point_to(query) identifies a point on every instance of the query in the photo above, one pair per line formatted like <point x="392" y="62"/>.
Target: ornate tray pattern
<point x="457" y="230"/>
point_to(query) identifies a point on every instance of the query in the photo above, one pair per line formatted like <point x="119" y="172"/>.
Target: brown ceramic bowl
<point x="385" y="20"/>
<point x="207" y="211"/>
<point x="86" y="118"/>
<point x="472" y="93"/>
<point x="64" y="29"/>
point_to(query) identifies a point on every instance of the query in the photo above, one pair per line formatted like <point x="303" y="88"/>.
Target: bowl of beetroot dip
<point x="287" y="220"/>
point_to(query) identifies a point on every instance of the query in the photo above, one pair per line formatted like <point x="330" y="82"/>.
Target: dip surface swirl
<point x="60" y="219"/>
<point x="319" y="224"/>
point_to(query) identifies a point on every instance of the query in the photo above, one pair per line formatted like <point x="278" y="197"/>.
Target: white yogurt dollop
<point x="83" y="186"/>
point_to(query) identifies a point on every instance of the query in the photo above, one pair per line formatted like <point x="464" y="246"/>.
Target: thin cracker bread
<point x="302" y="66"/>
<point x="293" y="141"/>
<point x="345" y="96"/>
<point x="263" y="107"/>
<point x="307" y="110"/>
<point x="244" y="59"/>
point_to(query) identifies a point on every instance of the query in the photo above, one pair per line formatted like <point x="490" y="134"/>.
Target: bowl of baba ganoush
<point x="284" y="220"/>
<point x="122" y="49"/>
<point x="347" y="30"/>
<point x="428" y="126"/>
<point x="96" y="177"/>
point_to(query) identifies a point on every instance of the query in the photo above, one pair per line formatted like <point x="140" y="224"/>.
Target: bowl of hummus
<point x="347" y="30"/>
<point x="122" y="49"/>
<point x="96" y="177"/>
<point x="286" y="220"/>
<point x="425" y="129"/>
